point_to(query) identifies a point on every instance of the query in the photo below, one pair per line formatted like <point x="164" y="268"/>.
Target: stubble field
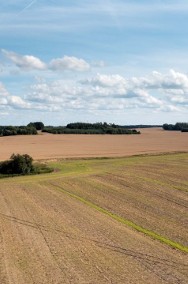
<point x="49" y="146"/>
<point x="121" y="220"/>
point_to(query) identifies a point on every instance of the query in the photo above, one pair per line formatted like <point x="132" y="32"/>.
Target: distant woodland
<point x="72" y="128"/>
<point x="17" y="130"/>
<point x="89" y="128"/>
<point x="179" y="126"/>
<point x="85" y="128"/>
<point x="30" y="129"/>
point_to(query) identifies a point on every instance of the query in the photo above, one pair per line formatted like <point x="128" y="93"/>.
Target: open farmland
<point x="121" y="220"/>
<point x="49" y="146"/>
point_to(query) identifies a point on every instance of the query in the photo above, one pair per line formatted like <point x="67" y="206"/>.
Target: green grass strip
<point x="125" y="221"/>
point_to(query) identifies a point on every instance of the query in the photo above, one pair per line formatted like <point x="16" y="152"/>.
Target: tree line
<point x="179" y="126"/>
<point x="89" y="128"/>
<point x="72" y="128"/>
<point x="17" y="130"/>
<point x="85" y="128"/>
<point x="141" y="126"/>
<point x="30" y="129"/>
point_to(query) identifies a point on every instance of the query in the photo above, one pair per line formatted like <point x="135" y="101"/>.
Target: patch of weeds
<point x="40" y="168"/>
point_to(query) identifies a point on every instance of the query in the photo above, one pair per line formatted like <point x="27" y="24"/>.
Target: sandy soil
<point x="48" y="146"/>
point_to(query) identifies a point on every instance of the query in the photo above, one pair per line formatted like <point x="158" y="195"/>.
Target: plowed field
<point x="121" y="220"/>
<point x="49" y="146"/>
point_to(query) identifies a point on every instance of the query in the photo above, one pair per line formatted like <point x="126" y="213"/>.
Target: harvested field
<point x="49" y="146"/>
<point x="121" y="220"/>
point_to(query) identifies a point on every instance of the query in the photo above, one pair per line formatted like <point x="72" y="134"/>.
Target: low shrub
<point x="22" y="165"/>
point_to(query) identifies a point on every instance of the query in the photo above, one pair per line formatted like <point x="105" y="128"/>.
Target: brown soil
<point x="48" y="146"/>
<point x="47" y="237"/>
<point x="50" y="237"/>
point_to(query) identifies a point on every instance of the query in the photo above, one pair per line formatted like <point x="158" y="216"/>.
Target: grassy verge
<point x="91" y="164"/>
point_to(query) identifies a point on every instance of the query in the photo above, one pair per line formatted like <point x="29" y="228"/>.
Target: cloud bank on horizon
<point x="115" y="61"/>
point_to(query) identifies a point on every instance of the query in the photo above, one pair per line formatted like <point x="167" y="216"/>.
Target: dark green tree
<point x="18" y="164"/>
<point x="38" y="125"/>
<point x="22" y="164"/>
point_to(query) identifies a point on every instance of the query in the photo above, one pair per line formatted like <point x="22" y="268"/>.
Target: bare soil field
<point x="121" y="220"/>
<point x="49" y="146"/>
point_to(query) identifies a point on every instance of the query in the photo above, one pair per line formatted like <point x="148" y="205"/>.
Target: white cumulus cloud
<point x="156" y="91"/>
<point x="27" y="62"/>
<point x="17" y="102"/>
<point x="106" y="80"/>
<point x="8" y="101"/>
<point x="69" y="63"/>
<point x="30" y="62"/>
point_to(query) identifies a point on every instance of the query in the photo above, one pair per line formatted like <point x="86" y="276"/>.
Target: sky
<point x="118" y="61"/>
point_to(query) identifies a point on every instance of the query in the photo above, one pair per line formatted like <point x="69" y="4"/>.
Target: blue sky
<point x="116" y="61"/>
